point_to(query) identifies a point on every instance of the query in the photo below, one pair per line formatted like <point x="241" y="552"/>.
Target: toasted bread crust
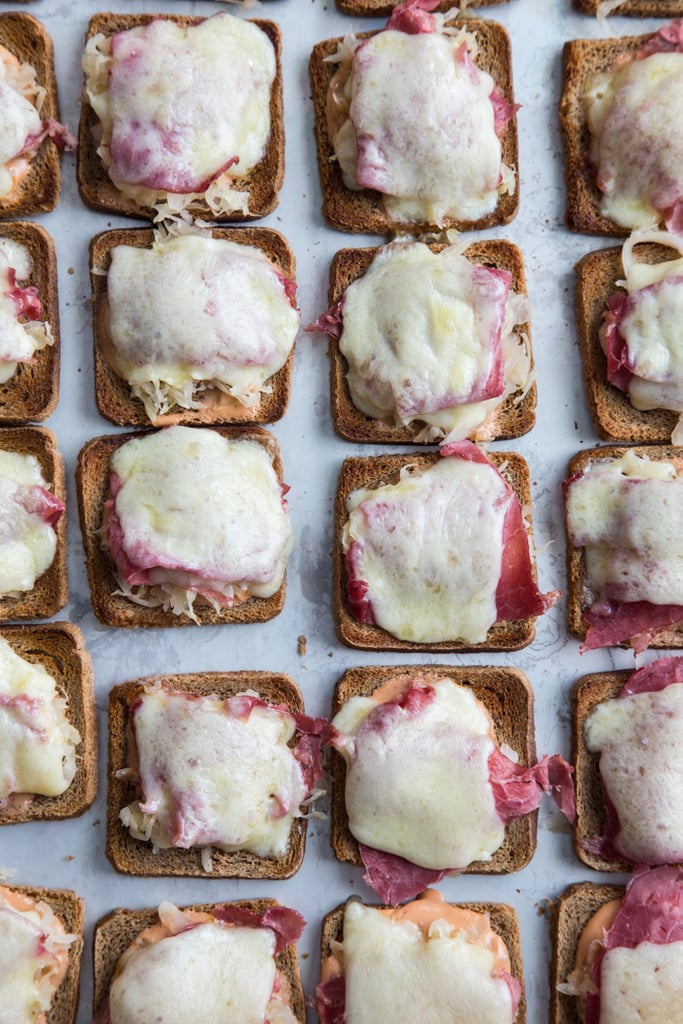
<point x="636" y="8"/>
<point x="373" y="472"/>
<point x="506" y="695"/>
<point x="60" y="648"/>
<point x="571" y="912"/>
<point x="514" y="417"/>
<point x="134" y="857"/>
<point x="51" y="590"/>
<point x="582" y="58"/>
<point x="115" y="931"/>
<point x="70" y="909"/>
<point x="363" y="211"/>
<point x="263" y="182"/>
<point x="614" y="417"/>
<point x="503" y="921"/>
<point x="113" y="395"/>
<point x="25" y="37"/>
<point x="113" y="608"/>
<point x="31" y="394"/>
<point x="576" y="561"/>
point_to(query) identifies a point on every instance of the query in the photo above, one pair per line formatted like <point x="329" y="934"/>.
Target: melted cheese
<point x="37" y="743"/>
<point x="206" y="973"/>
<point x="626" y="514"/>
<point x="421" y="334"/>
<point x="639" y="739"/>
<point x="431" y="150"/>
<point x="203" y="511"/>
<point x="210" y="777"/>
<point x="430" y="548"/>
<point x="638" y="156"/>
<point x="19" y="119"/>
<point x="395" y="973"/>
<point x="19" y="340"/>
<point x="178" y="127"/>
<point x="194" y="312"/>
<point x="421" y="789"/>
<point x="27" y="542"/>
<point x="643" y="985"/>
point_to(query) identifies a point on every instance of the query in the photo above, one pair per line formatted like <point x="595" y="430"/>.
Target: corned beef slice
<point x="395" y="879"/>
<point x="330" y="1000"/>
<point x="612" y="622"/>
<point x="286" y="924"/>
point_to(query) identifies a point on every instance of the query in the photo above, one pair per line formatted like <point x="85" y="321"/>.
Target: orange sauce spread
<point x="590" y="939"/>
<point x="60" y="957"/>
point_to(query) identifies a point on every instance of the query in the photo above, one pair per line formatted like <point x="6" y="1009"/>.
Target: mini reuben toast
<point x="241" y="938"/>
<point x="370" y="402"/>
<point x="42" y="931"/>
<point x="623" y="515"/>
<point x="29" y="353"/>
<point x="225" y="823"/>
<point x="372" y="958"/>
<point x="225" y="353"/>
<point x="49" y="668"/>
<point x="30" y="178"/>
<point x="619" y="118"/>
<point x="634" y="8"/>
<point x="216" y="169"/>
<point x="419" y="180"/>
<point x="33" y="573"/>
<point x="403" y="582"/>
<point x="149" y="564"/>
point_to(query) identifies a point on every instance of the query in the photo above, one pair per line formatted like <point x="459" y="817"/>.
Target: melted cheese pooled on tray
<point x="27" y="542"/>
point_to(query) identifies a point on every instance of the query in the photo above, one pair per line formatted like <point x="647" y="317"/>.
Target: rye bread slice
<point x="70" y="909"/>
<point x="59" y="647"/>
<point x="582" y="58"/>
<point x="503" y="921"/>
<point x="577" y="580"/>
<point x="28" y="40"/>
<point x="507" y="696"/>
<point x="116" y="931"/>
<point x="571" y="912"/>
<point x="636" y="8"/>
<point x="515" y="416"/>
<point x="113" y="395"/>
<point x="377" y="8"/>
<point x="51" y="590"/>
<point x="588" y="692"/>
<point x="374" y="472"/>
<point x="263" y="182"/>
<point x="110" y="606"/>
<point x="135" y="857"/>
<point x="614" y="417"/>
<point x="362" y="211"/>
<point x="31" y="394"/>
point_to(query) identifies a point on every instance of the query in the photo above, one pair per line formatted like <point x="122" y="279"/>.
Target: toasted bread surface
<point x="515" y="416"/>
<point x="60" y="648"/>
<point x="377" y="8"/>
<point x="51" y="590"/>
<point x="263" y="182"/>
<point x="507" y="696"/>
<point x="362" y="211"/>
<point x="113" y="395"/>
<point x="636" y="8"/>
<point x="134" y="857"/>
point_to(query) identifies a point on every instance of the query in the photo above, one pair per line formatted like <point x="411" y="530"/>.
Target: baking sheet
<point x="71" y="853"/>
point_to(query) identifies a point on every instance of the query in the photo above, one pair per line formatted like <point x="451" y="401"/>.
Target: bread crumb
<point x="301" y="645"/>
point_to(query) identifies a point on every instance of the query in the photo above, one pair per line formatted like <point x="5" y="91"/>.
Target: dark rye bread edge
<point x="60" y="648"/>
<point x="377" y="8"/>
<point x="576" y="563"/>
<point x="503" y="921"/>
<point x="92" y="485"/>
<point x="113" y="395"/>
<point x="636" y="8"/>
<point x="263" y="182"/>
<point x="135" y="857"/>
<point x="116" y="931"/>
<point x="507" y="696"/>
<point x="363" y="211"/>
<point x="25" y="37"/>
<point x="588" y="692"/>
<point x="571" y="911"/>
<point x="375" y="471"/>
<point x="580" y="59"/>
<point x="70" y="909"/>
<point x="33" y="391"/>
<point x="512" y="418"/>
<point x="51" y="590"/>
<point x="614" y="417"/>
